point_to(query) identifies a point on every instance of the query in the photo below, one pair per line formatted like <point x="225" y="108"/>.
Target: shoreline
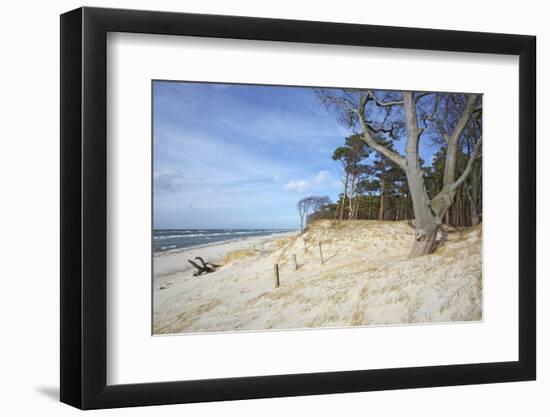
<point x="172" y="267"/>
<point x="365" y="278"/>
<point x="222" y="242"/>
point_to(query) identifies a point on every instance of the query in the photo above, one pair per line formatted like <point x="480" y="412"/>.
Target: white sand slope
<point x="366" y="280"/>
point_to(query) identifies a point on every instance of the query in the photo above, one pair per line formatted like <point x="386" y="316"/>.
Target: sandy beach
<point x="366" y="279"/>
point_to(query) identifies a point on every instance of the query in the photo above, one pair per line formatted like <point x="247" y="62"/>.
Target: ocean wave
<point x="205" y="235"/>
<point x="180" y="241"/>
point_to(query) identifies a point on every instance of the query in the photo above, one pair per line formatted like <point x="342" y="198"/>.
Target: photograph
<point x="300" y="207"/>
<point x="314" y="203"/>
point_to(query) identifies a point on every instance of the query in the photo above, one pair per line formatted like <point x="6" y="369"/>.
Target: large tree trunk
<point x="427" y="214"/>
<point x="426" y="222"/>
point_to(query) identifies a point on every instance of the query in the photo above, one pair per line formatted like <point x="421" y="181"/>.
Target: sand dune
<point x="366" y="279"/>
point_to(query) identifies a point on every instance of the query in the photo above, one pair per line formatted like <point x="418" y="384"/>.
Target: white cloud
<point x="298" y="186"/>
<point x="322" y="177"/>
<point x="318" y="182"/>
<point x="326" y="179"/>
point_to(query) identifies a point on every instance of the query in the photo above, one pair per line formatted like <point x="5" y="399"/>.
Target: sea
<point x="171" y="239"/>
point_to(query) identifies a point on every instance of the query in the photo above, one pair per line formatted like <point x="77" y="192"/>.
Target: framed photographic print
<point x="257" y="207"/>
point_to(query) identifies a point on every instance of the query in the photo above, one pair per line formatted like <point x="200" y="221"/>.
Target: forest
<point x="383" y="176"/>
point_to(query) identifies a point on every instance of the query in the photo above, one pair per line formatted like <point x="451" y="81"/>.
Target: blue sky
<point x="240" y="156"/>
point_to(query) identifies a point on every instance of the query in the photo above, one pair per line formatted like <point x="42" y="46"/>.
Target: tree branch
<point x="378" y="129"/>
<point x="469" y="167"/>
<point x="430" y="116"/>
<point x="461" y="124"/>
<point x="359" y="112"/>
<point x="340" y="101"/>
<point x="388" y="111"/>
<point x="442" y="131"/>
<point x="380" y="103"/>
<point x="381" y="149"/>
<point x="454" y="139"/>
<point x="419" y="96"/>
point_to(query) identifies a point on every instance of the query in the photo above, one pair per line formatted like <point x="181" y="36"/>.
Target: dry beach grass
<point x="366" y="279"/>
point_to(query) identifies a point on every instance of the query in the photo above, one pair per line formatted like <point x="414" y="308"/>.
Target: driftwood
<point x="204" y="268"/>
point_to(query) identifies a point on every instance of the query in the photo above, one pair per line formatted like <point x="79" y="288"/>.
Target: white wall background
<point x="29" y="175"/>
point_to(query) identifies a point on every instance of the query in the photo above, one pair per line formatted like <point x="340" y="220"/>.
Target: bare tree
<point x="446" y="114"/>
<point x="309" y="205"/>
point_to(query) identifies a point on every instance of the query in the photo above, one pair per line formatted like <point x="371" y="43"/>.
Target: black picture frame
<point x="84" y="207"/>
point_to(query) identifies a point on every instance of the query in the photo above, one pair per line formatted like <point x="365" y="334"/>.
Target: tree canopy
<point x="381" y="182"/>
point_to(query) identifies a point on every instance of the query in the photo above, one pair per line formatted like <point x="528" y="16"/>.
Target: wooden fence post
<point x="276" y="270"/>
<point x="295" y="263"/>
<point x="321" y="252"/>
